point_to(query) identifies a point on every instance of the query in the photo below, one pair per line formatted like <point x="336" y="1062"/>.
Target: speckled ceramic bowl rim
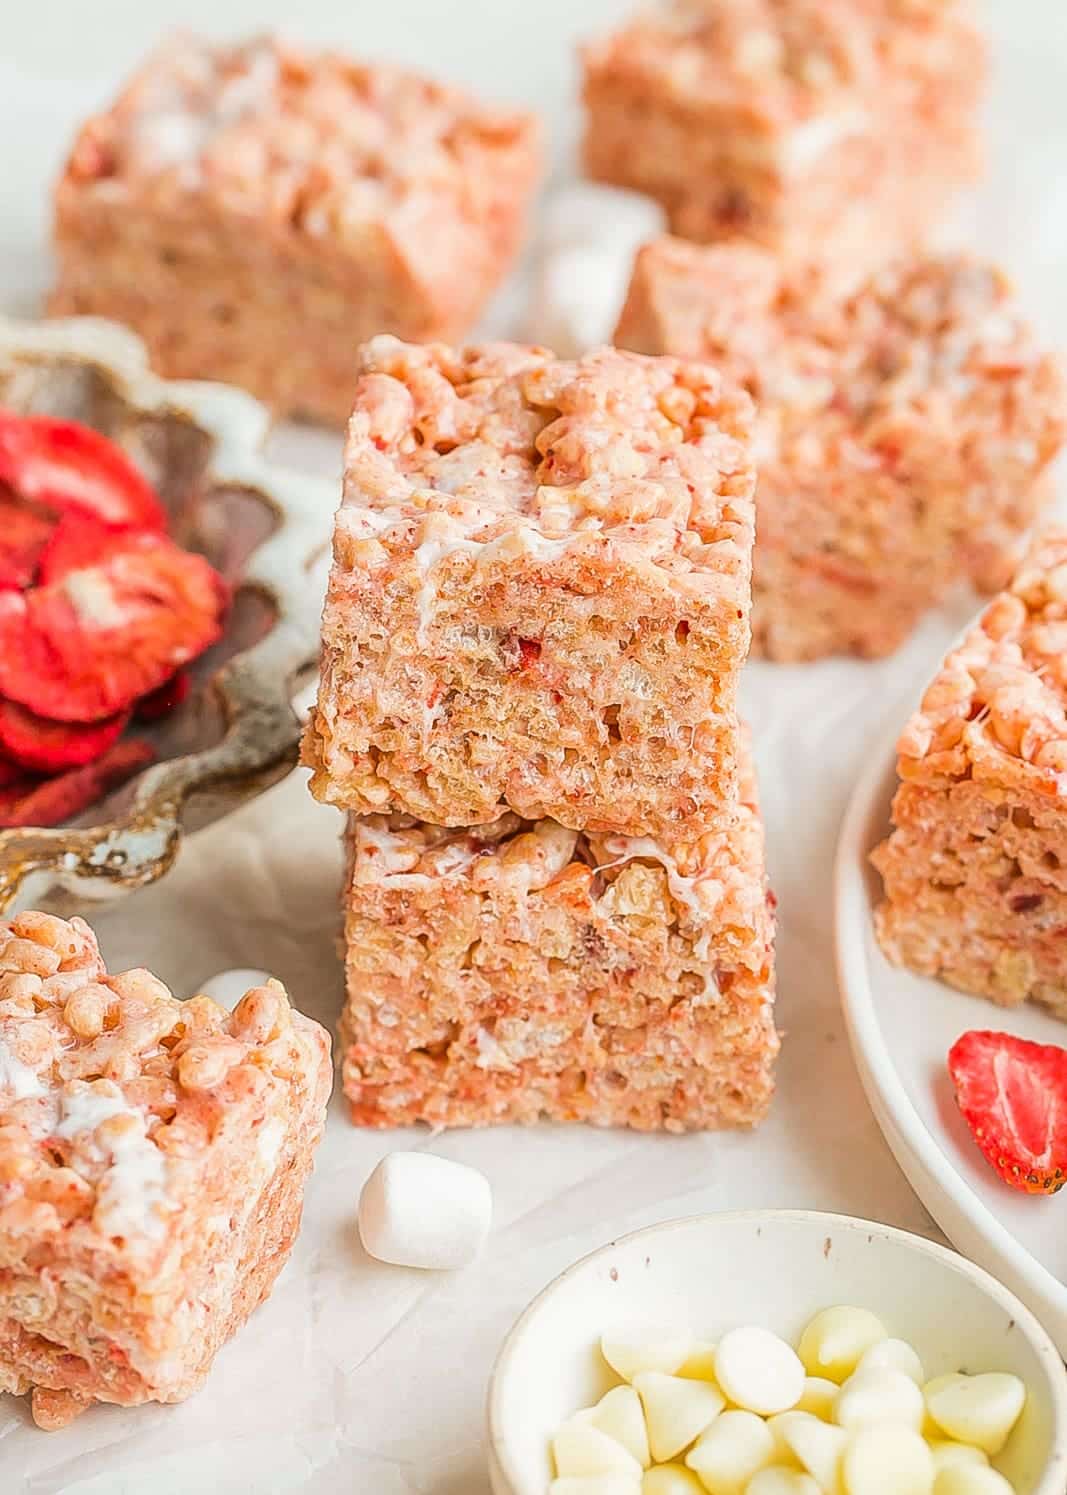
<point x="262" y="737"/>
<point x="1052" y="1482"/>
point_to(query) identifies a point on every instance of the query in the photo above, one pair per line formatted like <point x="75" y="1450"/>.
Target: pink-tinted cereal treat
<point x="819" y="128"/>
<point x="540" y="591"/>
<point x="521" y="970"/>
<point x="904" y="425"/>
<point x="153" y="1155"/>
<point x="975" y="869"/>
<point x="256" y="211"/>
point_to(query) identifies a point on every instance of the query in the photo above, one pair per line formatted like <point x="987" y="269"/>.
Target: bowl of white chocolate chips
<point x="777" y="1352"/>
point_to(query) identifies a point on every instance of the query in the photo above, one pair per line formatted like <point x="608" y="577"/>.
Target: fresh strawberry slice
<point x="76" y="542"/>
<point x="88" y="646"/>
<point x="51" y="802"/>
<point x="44" y="746"/>
<point x="24" y="533"/>
<point x="170" y="695"/>
<point x="1013" y="1096"/>
<point x="63" y="465"/>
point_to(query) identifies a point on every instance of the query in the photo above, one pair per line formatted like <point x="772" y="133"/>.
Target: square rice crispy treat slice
<point x="819" y="128"/>
<point x="153" y="1155"/>
<point x="256" y="211"/>
<point x="520" y="971"/>
<point x="903" y="431"/>
<point x="540" y="592"/>
<point x="975" y="869"/>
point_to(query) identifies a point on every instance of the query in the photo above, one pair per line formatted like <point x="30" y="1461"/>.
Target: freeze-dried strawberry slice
<point x="44" y="746"/>
<point x="170" y="695"/>
<point x="86" y="647"/>
<point x="75" y="543"/>
<point x="10" y="773"/>
<point x="62" y="465"/>
<point x="24" y="533"/>
<point x="53" y="801"/>
<point x="1013" y="1096"/>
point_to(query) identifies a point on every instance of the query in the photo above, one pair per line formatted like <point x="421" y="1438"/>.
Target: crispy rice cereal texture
<point x="540" y="591"/>
<point x="903" y="431"/>
<point x="521" y="970"/>
<point x="975" y="869"/>
<point x="255" y="212"/>
<point x="815" y="127"/>
<point x="153" y="1155"/>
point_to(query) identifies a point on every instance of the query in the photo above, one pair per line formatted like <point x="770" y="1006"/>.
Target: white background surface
<point x="367" y="1379"/>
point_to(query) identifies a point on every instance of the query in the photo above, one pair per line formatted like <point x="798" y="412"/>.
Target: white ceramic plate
<point x="901" y="1028"/>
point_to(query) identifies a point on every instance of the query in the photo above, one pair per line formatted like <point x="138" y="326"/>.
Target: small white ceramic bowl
<point x="776" y="1268"/>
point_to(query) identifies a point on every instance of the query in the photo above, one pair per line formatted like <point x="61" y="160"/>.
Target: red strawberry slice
<point x="51" y="802"/>
<point x="86" y="647"/>
<point x="62" y="465"/>
<point x="170" y="695"/>
<point x="44" y="746"/>
<point x="10" y="773"/>
<point x="1013" y="1096"/>
<point x="24" y="534"/>
<point x="75" y="543"/>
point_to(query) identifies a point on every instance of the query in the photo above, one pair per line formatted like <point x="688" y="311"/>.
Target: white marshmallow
<point x="587" y="213"/>
<point x="228" y="987"/>
<point x="418" y="1210"/>
<point x="578" y="292"/>
<point x="758" y="1371"/>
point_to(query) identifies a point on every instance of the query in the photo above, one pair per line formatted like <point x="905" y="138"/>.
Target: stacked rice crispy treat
<point x="905" y="424"/>
<point x="814" y="127"/>
<point x="975" y="869"/>
<point x="538" y="610"/>
<point x="254" y="211"/>
<point x="153" y="1155"/>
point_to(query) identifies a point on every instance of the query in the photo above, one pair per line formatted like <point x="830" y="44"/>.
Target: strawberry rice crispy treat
<point x="902" y="432"/>
<point x="153" y="1155"/>
<point x="540" y="591"/>
<point x="975" y="869"/>
<point x="256" y="211"/>
<point x="815" y="127"/>
<point x="521" y="970"/>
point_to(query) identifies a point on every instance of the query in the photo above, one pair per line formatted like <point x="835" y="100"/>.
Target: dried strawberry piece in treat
<point x="170" y="695"/>
<point x="62" y="465"/>
<point x="24" y="533"/>
<point x="86" y="647"/>
<point x="53" y="801"/>
<point x="1013" y="1096"/>
<point x="48" y="747"/>
<point x="75" y="543"/>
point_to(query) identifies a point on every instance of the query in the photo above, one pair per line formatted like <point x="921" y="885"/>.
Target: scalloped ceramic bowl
<point x="263" y="527"/>
<point x="778" y="1268"/>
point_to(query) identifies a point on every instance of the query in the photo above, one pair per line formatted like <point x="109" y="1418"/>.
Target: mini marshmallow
<point x="419" y="1210"/>
<point x="587" y="213"/>
<point x="228" y="987"/>
<point x="578" y="292"/>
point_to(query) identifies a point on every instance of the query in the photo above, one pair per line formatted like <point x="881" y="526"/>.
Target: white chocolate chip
<point x="671" y="1479"/>
<point x="971" y="1479"/>
<point x="819" y="1448"/>
<point x="579" y="1448"/>
<point x="676" y="1411"/>
<point x="946" y="1453"/>
<point x="887" y="1460"/>
<point x="818" y="1398"/>
<point x="619" y="1414"/>
<point x="976" y="1409"/>
<point x="734" y="1448"/>
<point x="893" y="1354"/>
<point x="418" y="1210"/>
<point x="879" y="1396"/>
<point x="834" y="1341"/>
<point x="777" y="1426"/>
<point x="699" y="1364"/>
<point x="635" y="1350"/>
<point x="779" y="1481"/>
<point x="596" y="1484"/>
<point x="757" y="1371"/>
